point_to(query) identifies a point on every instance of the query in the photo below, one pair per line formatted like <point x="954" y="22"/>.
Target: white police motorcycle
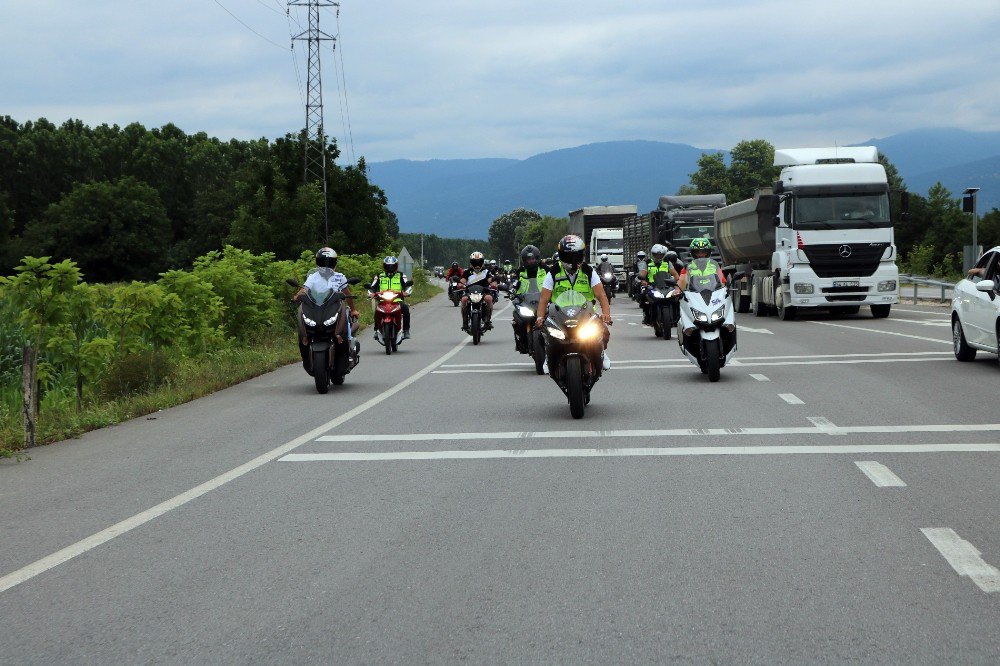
<point x="707" y="334"/>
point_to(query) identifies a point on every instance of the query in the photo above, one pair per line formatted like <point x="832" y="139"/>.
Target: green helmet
<point x="701" y="244"/>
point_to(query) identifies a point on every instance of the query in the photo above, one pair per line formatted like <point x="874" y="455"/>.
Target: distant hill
<point x="459" y="198"/>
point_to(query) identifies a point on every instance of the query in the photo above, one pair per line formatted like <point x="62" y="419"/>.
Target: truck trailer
<point x="822" y="237"/>
<point x="600" y="228"/>
<point x="675" y="222"/>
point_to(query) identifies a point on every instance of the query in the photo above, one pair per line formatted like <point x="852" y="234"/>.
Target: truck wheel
<point x="759" y="309"/>
<point x="881" y="311"/>
<point x="785" y="312"/>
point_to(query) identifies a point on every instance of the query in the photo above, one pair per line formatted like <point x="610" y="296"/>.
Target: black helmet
<point x="326" y="258"/>
<point x="454" y="264"/>
<point x="530" y="256"/>
<point x="571" y="251"/>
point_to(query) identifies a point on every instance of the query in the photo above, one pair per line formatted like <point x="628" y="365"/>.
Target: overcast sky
<point x="511" y="78"/>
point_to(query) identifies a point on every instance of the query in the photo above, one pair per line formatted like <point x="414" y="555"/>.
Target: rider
<point x="391" y="279"/>
<point x="454" y="272"/>
<point x="571" y="273"/>
<point x="648" y="275"/>
<point x="605" y="265"/>
<point x="324" y="278"/>
<point x="507" y="268"/>
<point x="478" y="273"/>
<point x="529" y="281"/>
<point x="701" y="248"/>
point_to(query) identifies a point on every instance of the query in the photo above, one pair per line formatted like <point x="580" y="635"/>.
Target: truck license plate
<point x="846" y="283"/>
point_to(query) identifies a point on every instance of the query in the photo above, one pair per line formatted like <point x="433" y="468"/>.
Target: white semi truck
<point x="600" y="227"/>
<point x="822" y="237"/>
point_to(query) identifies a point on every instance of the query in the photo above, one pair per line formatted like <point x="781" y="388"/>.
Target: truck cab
<point x="609" y="242"/>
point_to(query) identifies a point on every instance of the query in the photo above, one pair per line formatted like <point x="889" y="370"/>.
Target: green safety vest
<point x="526" y="284"/>
<point x="394" y="282"/>
<point x="562" y="284"/>
<point x="652" y="269"/>
<point x="711" y="268"/>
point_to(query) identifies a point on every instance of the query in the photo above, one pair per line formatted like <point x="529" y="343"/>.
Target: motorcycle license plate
<point x="846" y="283"/>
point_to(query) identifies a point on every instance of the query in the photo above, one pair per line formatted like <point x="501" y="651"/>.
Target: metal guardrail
<point x="921" y="281"/>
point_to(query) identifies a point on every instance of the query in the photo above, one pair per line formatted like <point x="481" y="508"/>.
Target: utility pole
<point x="315" y="149"/>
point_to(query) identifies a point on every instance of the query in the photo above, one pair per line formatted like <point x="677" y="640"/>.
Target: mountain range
<point x="459" y="198"/>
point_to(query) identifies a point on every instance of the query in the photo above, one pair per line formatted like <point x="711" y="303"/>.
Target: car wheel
<point x="963" y="352"/>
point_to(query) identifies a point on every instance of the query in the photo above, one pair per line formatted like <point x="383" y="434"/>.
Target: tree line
<point x="128" y="203"/>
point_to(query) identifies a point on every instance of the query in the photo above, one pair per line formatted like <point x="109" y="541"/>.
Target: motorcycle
<point x="632" y="285"/>
<point x="708" y="323"/>
<point x="574" y="340"/>
<point x="453" y="290"/>
<point x="610" y="282"/>
<point x="388" y="320"/>
<point x="663" y="297"/>
<point x="477" y="311"/>
<point x="323" y="318"/>
<point x="527" y="338"/>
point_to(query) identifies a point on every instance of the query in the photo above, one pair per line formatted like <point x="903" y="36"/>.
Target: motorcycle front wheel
<point x="574" y="387"/>
<point x="321" y="372"/>
<point x="712" y="360"/>
<point x="474" y="325"/>
<point x="665" y="323"/>
<point x="388" y="337"/>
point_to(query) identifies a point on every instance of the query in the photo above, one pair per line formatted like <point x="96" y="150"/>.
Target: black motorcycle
<point x="528" y="339"/>
<point x="454" y="291"/>
<point x="610" y="282"/>
<point x="322" y="316"/>
<point x="478" y="323"/>
<point x="574" y="339"/>
<point x="664" y="304"/>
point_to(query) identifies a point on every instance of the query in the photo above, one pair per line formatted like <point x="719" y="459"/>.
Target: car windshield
<point x="845" y="211"/>
<point x="706" y="278"/>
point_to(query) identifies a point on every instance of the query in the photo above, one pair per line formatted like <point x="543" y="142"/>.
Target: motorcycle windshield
<point x="320" y="295"/>
<point x="571" y="299"/>
<point x="662" y="280"/>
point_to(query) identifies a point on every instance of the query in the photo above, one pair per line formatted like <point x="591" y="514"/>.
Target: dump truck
<point x="676" y="221"/>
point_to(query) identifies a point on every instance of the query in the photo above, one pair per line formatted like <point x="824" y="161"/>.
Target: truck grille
<point x="828" y="261"/>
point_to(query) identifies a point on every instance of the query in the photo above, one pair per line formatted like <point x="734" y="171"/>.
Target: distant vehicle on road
<point x="975" y="309"/>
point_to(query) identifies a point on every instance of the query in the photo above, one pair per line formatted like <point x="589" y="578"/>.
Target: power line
<point x="240" y="21"/>
<point x="347" y="104"/>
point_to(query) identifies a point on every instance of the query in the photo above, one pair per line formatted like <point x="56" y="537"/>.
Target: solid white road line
<point x="964" y="558"/>
<point x="683" y="363"/>
<point x="827" y="429"/>
<point x="825" y="425"/>
<point x="69" y="552"/>
<point x="790" y="398"/>
<point x="924" y="322"/>
<point x="923" y="312"/>
<point x="756" y="330"/>
<point x="641" y="452"/>
<point x="875" y="330"/>
<point x="760" y="378"/>
<point x="879" y="474"/>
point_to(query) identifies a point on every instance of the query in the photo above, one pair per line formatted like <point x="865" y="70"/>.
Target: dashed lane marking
<point x="679" y="451"/>
<point x="964" y="558"/>
<point x="791" y="398"/>
<point x="879" y="474"/>
<point x="760" y="378"/>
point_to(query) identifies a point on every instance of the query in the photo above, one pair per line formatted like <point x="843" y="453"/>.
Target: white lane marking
<point x="93" y="541"/>
<point x="675" y="432"/>
<point x="632" y="323"/>
<point x="879" y="474"/>
<point x="790" y="398"/>
<point x="683" y="363"/>
<point x="825" y="425"/>
<point x="641" y="452"/>
<point x="925" y="322"/>
<point x="964" y="558"/>
<point x="755" y="330"/>
<point x="744" y="358"/>
<point x="760" y="378"/>
<point x="875" y="330"/>
<point x="923" y="312"/>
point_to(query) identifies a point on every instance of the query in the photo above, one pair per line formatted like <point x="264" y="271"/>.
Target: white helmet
<point x="604" y="257"/>
<point x="658" y="250"/>
<point x="476" y="260"/>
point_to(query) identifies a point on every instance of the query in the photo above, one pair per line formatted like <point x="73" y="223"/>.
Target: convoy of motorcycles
<point x="568" y="345"/>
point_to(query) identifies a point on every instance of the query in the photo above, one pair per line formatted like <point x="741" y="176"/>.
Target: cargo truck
<point x="600" y="228"/>
<point x="822" y="237"/>
<point x="676" y="221"/>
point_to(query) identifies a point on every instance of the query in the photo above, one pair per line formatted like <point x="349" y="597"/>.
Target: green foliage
<point x="750" y="168"/>
<point x="136" y="372"/>
<point x="245" y="286"/>
<point x="40" y="291"/>
<point x="543" y="233"/>
<point x="503" y="231"/>
<point x="440" y="251"/>
<point x="919" y="261"/>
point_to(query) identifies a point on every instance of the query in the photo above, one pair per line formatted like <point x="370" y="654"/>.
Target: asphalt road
<point x="834" y="498"/>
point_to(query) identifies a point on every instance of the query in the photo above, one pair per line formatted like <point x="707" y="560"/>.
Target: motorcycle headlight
<point x="608" y="276"/>
<point x="701" y="316"/>
<point x="475" y="297"/>
<point x="587" y="331"/>
<point x="308" y="321"/>
<point x="556" y="333"/>
<point x="719" y="314"/>
<point x="525" y="312"/>
<point x="655" y="293"/>
<point x="390" y="296"/>
<point x="332" y="320"/>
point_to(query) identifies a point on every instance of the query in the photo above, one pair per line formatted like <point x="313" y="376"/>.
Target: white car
<point x="975" y="309"/>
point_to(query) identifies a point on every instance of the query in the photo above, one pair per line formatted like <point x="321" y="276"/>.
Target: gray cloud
<point x="450" y="78"/>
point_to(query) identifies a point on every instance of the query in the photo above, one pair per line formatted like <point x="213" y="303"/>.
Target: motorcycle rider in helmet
<point x="648" y="274"/>
<point x="507" y="268"/>
<point x="391" y="278"/>
<point x="701" y="248"/>
<point x="478" y="272"/>
<point x="605" y="265"/>
<point x="325" y="278"/>
<point x="454" y="271"/>
<point x="529" y="280"/>
<point x="571" y="273"/>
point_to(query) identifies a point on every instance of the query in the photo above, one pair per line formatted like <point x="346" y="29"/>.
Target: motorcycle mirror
<point x="353" y="280"/>
<point x="292" y="283"/>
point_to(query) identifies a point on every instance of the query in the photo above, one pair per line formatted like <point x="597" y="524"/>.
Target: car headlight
<point x="308" y="321"/>
<point x="719" y="314"/>
<point x="701" y="316"/>
<point x="475" y="297"/>
<point x="888" y="285"/>
<point x="587" y="331"/>
<point x="525" y="312"/>
<point x="331" y="320"/>
<point x="556" y="333"/>
<point x="802" y="288"/>
<point x="390" y="296"/>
